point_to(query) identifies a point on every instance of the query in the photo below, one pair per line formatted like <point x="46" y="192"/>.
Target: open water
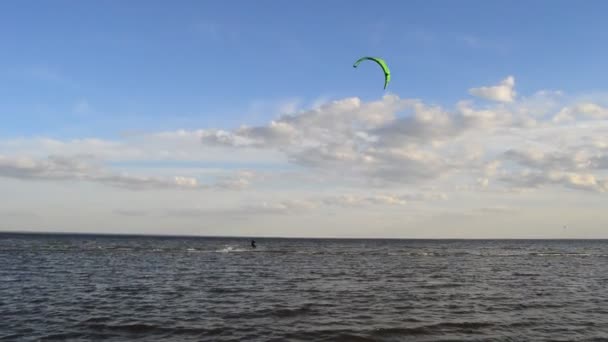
<point x="83" y="288"/>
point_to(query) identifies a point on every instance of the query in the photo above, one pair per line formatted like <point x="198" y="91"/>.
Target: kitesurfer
<point x="252" y="243"/>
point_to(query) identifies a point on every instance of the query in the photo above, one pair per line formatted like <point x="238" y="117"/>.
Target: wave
<point x="553" y="254"/>
<point x="441" y="285"/>
<point x="76" y="335"/>
<point x="523" y="274"/>
<point x="144" y="329"/>
<point x="391" y="332"/>
<point x="277" y="312"/>
<point x="232" y="249"/>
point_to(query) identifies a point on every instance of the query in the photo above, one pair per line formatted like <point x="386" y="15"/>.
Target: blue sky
<point x="71" y="68"/>
<point x="164" y="117"/>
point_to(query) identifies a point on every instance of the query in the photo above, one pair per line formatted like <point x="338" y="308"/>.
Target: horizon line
<point x="26" y="232"/>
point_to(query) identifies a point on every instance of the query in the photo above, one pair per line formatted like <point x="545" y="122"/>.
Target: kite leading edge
<point x="381" y="63"/>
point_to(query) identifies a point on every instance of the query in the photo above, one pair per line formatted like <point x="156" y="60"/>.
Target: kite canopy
<point x="381" y="63"/>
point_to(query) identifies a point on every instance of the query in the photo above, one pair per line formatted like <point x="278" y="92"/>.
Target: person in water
<point x="252" y="243"/>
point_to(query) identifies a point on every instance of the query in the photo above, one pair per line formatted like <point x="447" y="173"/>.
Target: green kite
<point x="382" y="63"/>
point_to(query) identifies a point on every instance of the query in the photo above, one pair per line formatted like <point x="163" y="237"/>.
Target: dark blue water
<point x="82" y="288"/>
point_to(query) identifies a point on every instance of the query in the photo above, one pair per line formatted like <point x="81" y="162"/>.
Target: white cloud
<point x="61" y="168"/>
<point x="238" y="181"/>
<point x="572" y="180"/>
<point x="346" y="157"/>
<point x="283" y="207"/>
<point x="581" y="111"/>
<point x="180" y="145"/>
<point x="385" y="143"/>
<point x="383" y="199"/>
<point x="400" y="141"/>
<point x="503" y="92"/>
<point x="306" y="205"/>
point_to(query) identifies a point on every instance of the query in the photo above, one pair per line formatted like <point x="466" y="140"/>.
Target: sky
<point x="241" y="118"/>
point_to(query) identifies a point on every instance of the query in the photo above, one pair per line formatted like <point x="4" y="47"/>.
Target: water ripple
<point x="65" y="287"/>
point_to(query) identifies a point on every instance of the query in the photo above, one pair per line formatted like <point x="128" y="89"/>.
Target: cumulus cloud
<point x="391" y="142"/>
<point x="503" y="92"/>
<point x="365" y="139"/>
<point x="401" y="141"/>
<point x="574" y="168"/>
<point x="585" y="111"/>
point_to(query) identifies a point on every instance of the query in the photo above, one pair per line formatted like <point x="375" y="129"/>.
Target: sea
<point x="62" y="287"/>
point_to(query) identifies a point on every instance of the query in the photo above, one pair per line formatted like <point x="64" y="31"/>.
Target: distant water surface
<point x="82" y="288"/>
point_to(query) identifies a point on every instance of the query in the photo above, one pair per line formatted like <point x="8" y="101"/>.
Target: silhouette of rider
<point x="252" y="243"/>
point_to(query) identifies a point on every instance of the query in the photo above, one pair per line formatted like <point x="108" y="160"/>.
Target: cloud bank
<point x="62" y="168"/>
<point x="345" y="157"/>
<point x="396" y="141"/>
